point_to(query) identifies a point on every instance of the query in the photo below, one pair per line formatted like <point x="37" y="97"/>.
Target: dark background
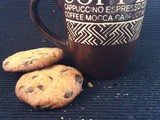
<point x="139" y="87"/>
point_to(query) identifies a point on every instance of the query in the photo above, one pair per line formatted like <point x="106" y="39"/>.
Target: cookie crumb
<point x="112" y="86"/>
<point x="118" y="95"/>
<point x="23" y="21"/>
<point x="71" y="105"/>
<point x="43" y="41"/>
<point x="109" y="87"/>
<point x="62" y="118"/>
<point x="90" y="85"/>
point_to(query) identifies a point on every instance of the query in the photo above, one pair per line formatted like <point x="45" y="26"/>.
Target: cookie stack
<point x="46" y="85"/>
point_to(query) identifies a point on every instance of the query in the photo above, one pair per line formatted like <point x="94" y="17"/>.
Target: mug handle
<point x="43" y="29"/>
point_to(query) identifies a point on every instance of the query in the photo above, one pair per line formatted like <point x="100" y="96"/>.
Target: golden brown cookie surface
<point x="53" y="87"/>
<point x="32" y="59"/>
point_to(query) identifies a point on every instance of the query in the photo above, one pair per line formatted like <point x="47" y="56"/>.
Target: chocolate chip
<point x="30" y="89"/>
<point x="25" y="64"/>
<point x="20" y="88"/>
<point x="40" y="87"/>
<point x="31" y="62"/>
<point x="68" y="94"/>
<point x="34" y="76"/>
<point x="7" y="63"/>
<point x="27" y="57"/>
<point x="79" y="79"/>
<point x="51" y="78"/>
<point x="43" y="53"/>
<point x="65" y="70"/>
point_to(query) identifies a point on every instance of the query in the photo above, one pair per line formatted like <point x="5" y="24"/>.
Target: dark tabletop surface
<point x="139" y="86"/>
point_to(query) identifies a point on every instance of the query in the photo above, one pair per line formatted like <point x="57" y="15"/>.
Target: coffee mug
<point x="101" y="34"/>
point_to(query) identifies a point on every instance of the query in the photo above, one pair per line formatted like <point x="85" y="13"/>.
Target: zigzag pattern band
<point x="95" y="34"/>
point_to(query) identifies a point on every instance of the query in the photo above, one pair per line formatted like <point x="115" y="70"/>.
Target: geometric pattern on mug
<point x="95" y="34"/>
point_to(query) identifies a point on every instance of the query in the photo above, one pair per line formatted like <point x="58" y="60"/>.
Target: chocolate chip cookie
<point x="53" y="87"/>
<point x="32" y="59"/>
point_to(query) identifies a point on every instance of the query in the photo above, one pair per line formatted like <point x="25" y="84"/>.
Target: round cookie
<point x="53" y="87"/>
<point x="32" y="59"/>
